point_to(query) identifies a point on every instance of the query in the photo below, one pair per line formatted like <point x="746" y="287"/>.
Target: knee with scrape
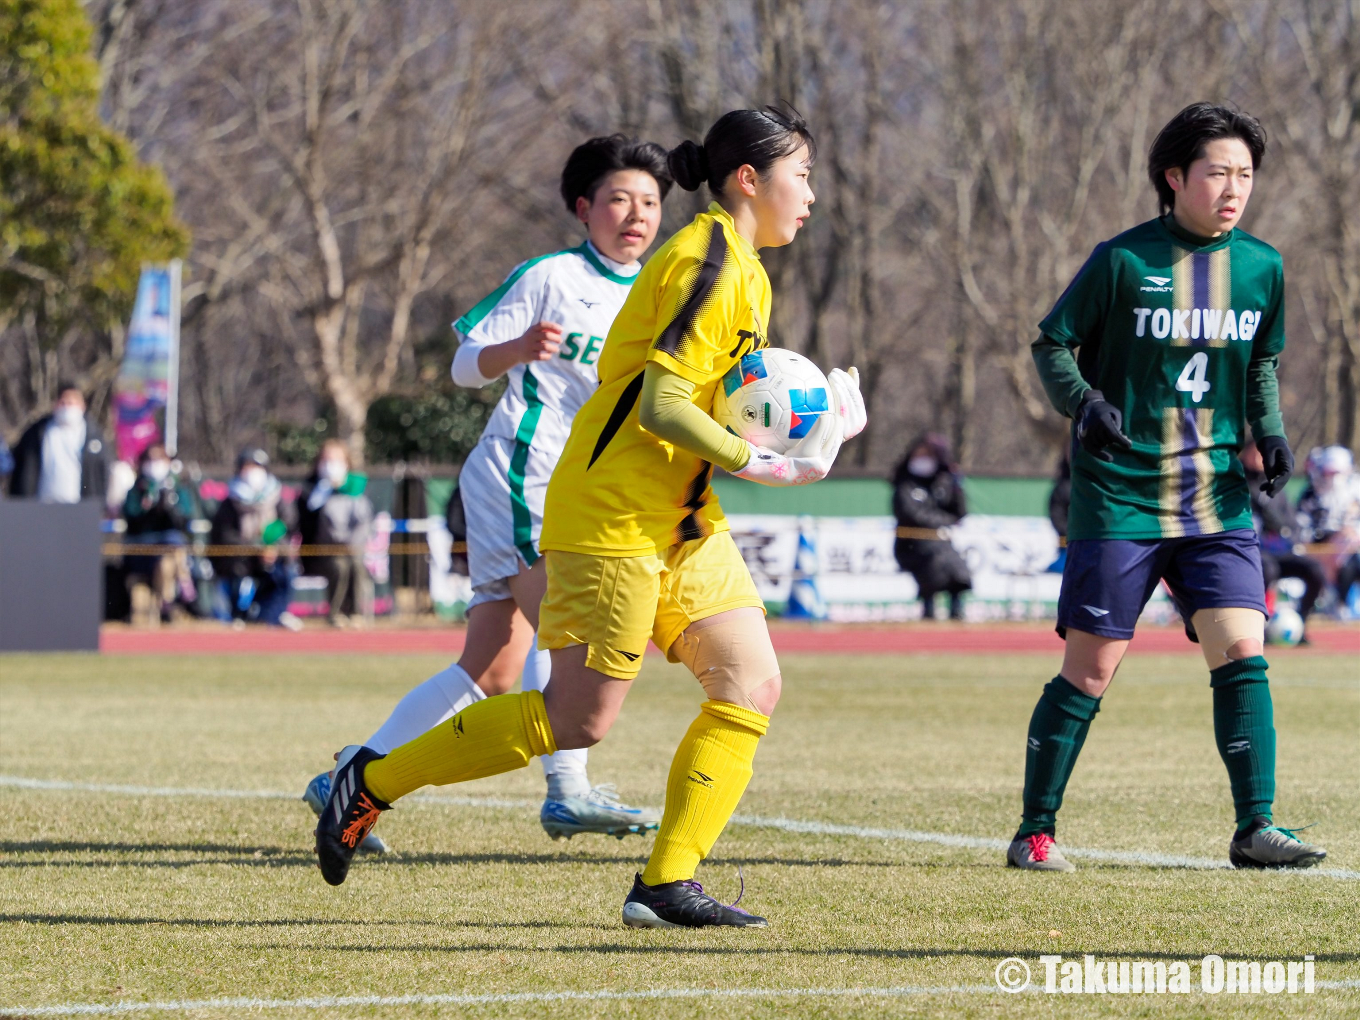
<point x="1229" y="629"/>
<point x="730" y="655"/>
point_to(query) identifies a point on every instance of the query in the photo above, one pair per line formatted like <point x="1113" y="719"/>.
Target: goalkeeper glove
<point x="848" y="402"/>
<point x="1099" y="425"/>
<point x="1279" y="462"/>
<point x="808" y="461"/>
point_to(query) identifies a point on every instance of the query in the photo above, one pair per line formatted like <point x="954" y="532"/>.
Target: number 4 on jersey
<point x="1193" y="376"/>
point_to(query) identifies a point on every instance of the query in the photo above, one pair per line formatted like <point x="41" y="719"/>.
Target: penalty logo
<point x="695" y="776"/>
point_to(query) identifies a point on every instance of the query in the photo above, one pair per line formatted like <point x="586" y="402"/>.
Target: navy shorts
<point x="1107" y="581"/>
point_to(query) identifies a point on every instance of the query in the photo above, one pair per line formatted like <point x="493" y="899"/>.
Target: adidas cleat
<point x="1037" y="852"/>
<point x="319" y="791"/>
<point x="1273" y="847"/>
<point x="682" y="905"/>
<point x="597" y="811"/>
<point x="349" y="814"/>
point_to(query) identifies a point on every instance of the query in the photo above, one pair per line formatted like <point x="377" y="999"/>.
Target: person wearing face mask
<point x="1329" y="511"/>
<point x="333" y="510"/>
<point x="928" y="496"/>
<point x="62" y="457"/>
<point x="157" y="510"/>
<point x="255" y="586"/>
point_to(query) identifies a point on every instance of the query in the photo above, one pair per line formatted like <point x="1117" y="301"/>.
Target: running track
<point x="904" y="639"/>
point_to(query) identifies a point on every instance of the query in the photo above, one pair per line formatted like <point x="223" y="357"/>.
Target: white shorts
<point x="503" y="505"/>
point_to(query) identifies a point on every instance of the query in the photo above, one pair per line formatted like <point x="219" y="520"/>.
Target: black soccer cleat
<point x="682" y="905"/>
<point x="347" y="817"/>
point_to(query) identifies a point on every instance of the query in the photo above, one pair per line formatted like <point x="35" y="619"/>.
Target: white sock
<point x="424" y="707"/>
<point x="566" y="774"/>
<point x="565" y="770"/>
<point x="537" y="668"/>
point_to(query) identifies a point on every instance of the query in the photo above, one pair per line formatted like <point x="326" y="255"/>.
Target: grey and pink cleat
<point x="1036" y="852"/>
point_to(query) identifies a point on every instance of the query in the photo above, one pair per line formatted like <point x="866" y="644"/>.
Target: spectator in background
<point x="333" y="510"/>
<point x="1278" y="531"/>
<point x="1329" y="509"/>
<point x="61" y="457"/>
<point x="157" y="510"/>
<point x="928" y="496"/>
<point x="253" y="586"/>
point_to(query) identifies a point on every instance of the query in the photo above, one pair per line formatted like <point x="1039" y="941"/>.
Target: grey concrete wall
<point x="51" y="576"/>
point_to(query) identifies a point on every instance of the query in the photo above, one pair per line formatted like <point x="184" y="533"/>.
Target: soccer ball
<point x="772" y="398"/>
<point x="1285" y="627"/>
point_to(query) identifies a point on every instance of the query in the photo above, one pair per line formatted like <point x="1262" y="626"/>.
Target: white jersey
<point x="505" y="479"/>
<point x="582" y="291"/>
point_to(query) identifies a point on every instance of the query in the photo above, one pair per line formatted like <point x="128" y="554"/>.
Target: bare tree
<point x="358" y="172"/>
<point x="1307" y="56"/>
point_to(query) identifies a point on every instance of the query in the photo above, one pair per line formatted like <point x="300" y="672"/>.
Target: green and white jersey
<point x="1168" y="327"/>
<point x="582" y="291"/>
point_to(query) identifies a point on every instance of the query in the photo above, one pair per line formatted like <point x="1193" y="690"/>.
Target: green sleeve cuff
<point x="1263" y="399"/>
<point x="667" y="410"/>
<point x="1059" y="373"/>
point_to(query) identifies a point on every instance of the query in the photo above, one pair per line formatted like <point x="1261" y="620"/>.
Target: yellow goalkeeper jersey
<point x="699" y="304"/>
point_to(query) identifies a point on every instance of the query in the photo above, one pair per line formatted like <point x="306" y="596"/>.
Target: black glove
<point x="1279" y="462"/>
<point x="1099" y="425"/>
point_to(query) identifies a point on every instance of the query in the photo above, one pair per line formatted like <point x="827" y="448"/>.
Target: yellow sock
<point x="492" y="736"/>
<point x="709" y="774"/>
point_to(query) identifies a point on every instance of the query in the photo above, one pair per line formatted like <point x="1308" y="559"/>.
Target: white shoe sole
<point x="635" y="915"/>
<point x="557" y="830"/>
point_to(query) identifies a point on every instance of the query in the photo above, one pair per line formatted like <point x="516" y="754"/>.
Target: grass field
<point x="172" y="897"/>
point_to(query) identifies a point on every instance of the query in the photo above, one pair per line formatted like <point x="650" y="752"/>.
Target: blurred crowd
<point x="1312" y="539"/>
<point x="234" y="552"/>
<point x="229" y="553"/>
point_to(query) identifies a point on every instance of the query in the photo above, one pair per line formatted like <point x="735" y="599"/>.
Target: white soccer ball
<point x="1285" y="627"/>
<point x="771" y="398"/>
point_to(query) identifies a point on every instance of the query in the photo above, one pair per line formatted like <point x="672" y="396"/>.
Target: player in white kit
<point x="544" y="328"/>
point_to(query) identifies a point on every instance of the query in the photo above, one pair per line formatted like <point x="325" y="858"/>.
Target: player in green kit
<point x="1163" y="351"/>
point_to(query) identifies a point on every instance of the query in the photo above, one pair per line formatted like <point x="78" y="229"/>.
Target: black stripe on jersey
<point x="673" y="337"/>
<point x="627" y="399"/>
<point x="690" y="528"/>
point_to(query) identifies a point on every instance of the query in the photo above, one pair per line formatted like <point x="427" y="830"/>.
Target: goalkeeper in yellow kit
<point x="635" y="542"/>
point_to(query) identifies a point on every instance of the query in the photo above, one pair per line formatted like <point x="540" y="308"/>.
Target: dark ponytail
<point x="756" y="137"/>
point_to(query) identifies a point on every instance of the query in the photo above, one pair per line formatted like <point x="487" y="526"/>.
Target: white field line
<point x="783" y="824"/>
<point x="334" y="1002"/>
<point x="341" y="1001"/>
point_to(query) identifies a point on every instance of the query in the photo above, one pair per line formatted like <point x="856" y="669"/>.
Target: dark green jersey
<point x="1181" y="334"/>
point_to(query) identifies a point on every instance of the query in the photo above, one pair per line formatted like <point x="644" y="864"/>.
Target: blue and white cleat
<point x="318" y="792"/>
<point x="600" y="811"/>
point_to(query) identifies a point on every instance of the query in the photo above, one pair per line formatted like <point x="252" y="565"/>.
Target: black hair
<point x="252" y="455"/>
<point x="756" y="137"/>
<point x="592" y="160"/>
<point x="1183" y="139"/>
<point x="66" y="385"/>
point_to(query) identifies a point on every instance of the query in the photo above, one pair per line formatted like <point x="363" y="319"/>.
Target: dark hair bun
<point x="688" y="165"/>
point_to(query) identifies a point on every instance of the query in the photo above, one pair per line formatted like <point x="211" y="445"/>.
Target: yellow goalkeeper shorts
<point x="613" y="604"/>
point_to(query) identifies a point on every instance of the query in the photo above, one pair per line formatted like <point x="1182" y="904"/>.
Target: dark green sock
<point x="1057" y="729"/>
<point x="1244" y="729"/>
